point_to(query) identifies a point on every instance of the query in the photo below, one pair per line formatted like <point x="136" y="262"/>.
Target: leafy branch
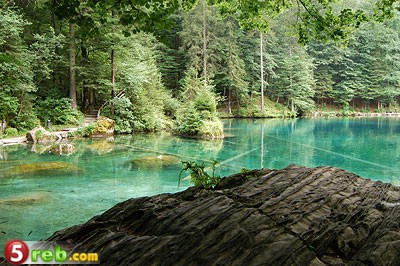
<point x="198" y="174"/>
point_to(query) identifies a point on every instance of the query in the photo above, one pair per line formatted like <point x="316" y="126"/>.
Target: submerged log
<point x="294" y="216"/>
<point x="154" y="162"/>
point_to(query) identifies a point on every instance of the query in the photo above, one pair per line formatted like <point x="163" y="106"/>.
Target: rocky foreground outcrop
<point x="294" y="216"/>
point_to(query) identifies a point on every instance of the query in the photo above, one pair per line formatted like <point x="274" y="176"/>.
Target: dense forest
<point x="181" y="68"/>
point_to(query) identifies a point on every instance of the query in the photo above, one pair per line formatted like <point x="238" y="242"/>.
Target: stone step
<point x="90" y="117"/>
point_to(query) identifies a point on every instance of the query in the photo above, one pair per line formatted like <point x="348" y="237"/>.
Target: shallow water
<point x="36" y="200"/>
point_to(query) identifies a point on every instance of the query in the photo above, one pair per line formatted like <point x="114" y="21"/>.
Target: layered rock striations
<point x="294" y="216"/>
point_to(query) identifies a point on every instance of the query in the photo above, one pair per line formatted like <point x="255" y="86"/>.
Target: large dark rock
<point x="294" y="216"/>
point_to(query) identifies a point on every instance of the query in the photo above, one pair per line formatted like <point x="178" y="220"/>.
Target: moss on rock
<point x="104" y="126"/>
<point x="36" y="168"/>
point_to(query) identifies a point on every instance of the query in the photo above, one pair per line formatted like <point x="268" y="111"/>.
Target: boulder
<point x="104" y="127"/>
<point x="41" y="135"/>
<point x="294" y="216"/>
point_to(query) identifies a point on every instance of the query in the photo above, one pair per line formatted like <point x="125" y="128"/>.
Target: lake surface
<point x="42" y="193"/>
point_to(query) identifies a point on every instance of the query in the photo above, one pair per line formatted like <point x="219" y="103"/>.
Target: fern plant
<point x="199" y="175"/>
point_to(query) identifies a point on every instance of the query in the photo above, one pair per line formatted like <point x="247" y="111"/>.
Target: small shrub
<point x="212" y="129"/>
<point x="84" y="131"/>
<point x="58" y="111"/>
<point x="10" y="131"/>
<point x="25" y="121"/>
<point x="39" y="134"/>
<point x="245" y="170"/>
<point x="189" y="122"/>
<point x="199" y="176"/>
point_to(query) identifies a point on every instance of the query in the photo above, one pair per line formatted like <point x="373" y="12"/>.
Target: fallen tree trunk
<point x="294" y="216"/>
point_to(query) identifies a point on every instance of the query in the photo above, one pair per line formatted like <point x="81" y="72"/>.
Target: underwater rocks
<point x="294" y="216"/>
<point x="26" y="198"/>
<point x="155" y="162"/>
<point x="38" y="168"/>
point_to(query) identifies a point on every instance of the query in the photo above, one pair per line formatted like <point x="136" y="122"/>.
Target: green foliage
<point x="196" y="69"/>
<point x="141" y="108"/>
<point x="84" y="131"/>
<point x="245" y="170"/>
<point x="45" y="58"/>
<point x="197" y="115"/>
<point x="11" y="132"/>
<point x="346" y="111"/>
<point x="25" y="120"/>
<point x="189" y="122"/>
<point x="58" y="111"/>
<point x="252" y="109"/>
<point x="199" y="175"/>
<point x="8" y="106"/>
<point x="16" y="75"/>
<point x="39" y="134"/>
<point x="123" y="116"/>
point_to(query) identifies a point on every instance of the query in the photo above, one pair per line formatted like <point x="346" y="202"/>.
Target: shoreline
<point x="23" y="140"/>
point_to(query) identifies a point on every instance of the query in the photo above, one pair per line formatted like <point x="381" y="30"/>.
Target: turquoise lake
<point x="41" y="192"/>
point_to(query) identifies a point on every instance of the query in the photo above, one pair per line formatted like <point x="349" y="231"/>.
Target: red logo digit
<point x="16" y="252"/>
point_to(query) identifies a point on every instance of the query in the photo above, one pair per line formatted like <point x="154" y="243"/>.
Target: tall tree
<point x="262" y="70"/>
<point x="17" y="86"/>
<point x="72" y="66"/>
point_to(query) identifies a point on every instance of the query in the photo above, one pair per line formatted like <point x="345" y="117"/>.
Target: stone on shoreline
<point x="41" y="135"/>
<point x="104" y="127"/>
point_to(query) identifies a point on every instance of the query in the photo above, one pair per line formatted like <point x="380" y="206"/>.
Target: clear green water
<point x="35" y="204"/>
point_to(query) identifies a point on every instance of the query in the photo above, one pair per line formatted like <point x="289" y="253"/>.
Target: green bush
<point x="199" y="176"/>
<point x="197" y="116"/>
<point x="346" y="111"/>
<point x="189" y="121"/>
<point x="212" y="129"/>
<point x="10" y="132"/>
<point x="25" y="121"/>
<point x="123" y="116"/>
<point x="58" y="111"/>
<point x="142" y="112"/>
<point x="171" y="106"/>
<point x="84" y="131"/>
<point x="8" y="106"/>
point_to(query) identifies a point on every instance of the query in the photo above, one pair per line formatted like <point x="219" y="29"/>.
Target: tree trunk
<point x="292" y="104"/>
<point x="85" y="106"/>
<point x="72" y="73"/>
<point x="112" y="82"/>
<point x="238" y="99"/>
<point x="204" y="42"/>
<point x="229" y="101"/>
<point x="112" y="72"/>
<point x="291" y="79"/>
<point x="262" y="72"/>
